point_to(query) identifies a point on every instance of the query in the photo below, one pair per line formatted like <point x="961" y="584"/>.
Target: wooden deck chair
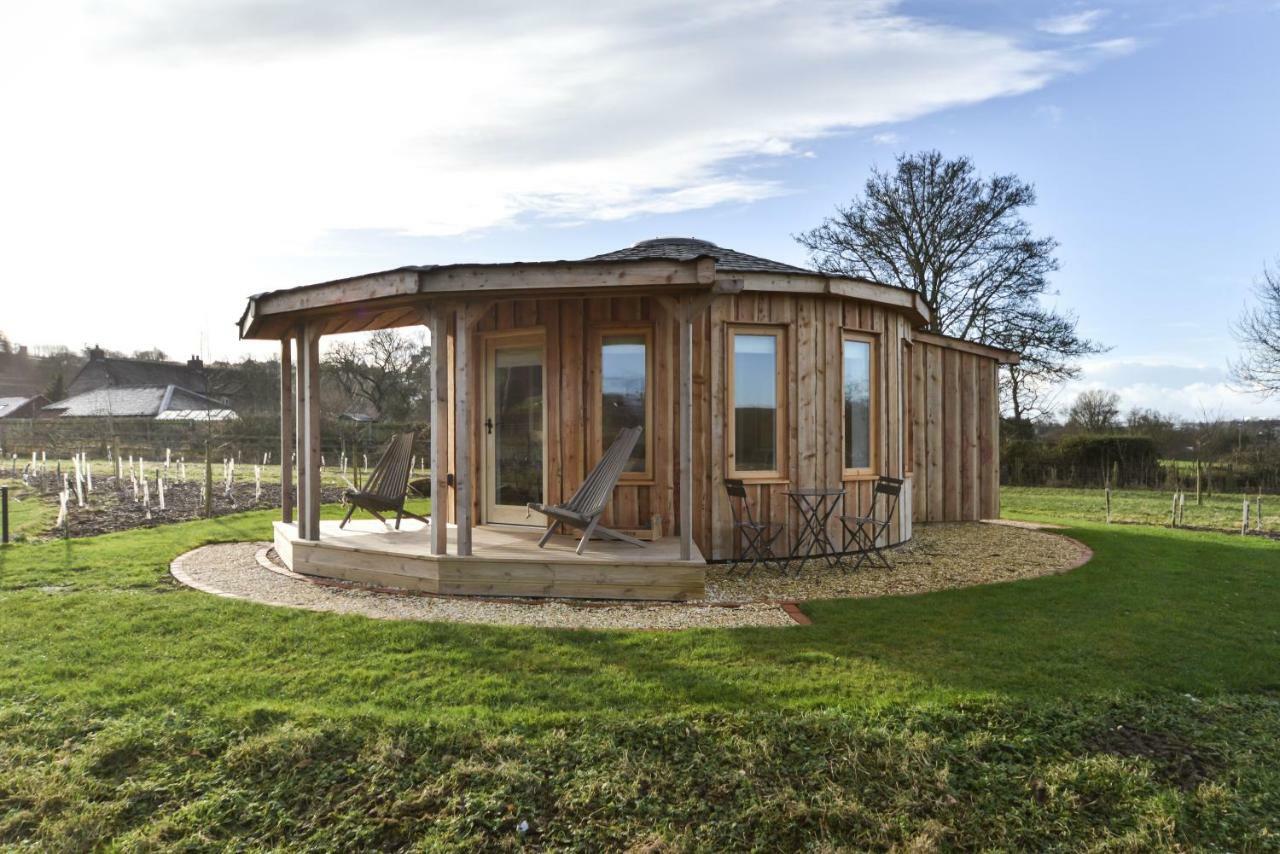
<point x="385" y="489"/>
<point x="587" y="505"/>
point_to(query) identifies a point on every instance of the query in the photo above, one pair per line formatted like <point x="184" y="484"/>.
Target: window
<point x="757" y="398"/>
<point x="623" y="395"/>
<point x="859" y="403"/>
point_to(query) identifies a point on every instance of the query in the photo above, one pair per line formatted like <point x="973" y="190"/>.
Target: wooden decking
<point x="506" y="561"/>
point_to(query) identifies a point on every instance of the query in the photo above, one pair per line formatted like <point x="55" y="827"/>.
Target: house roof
<point x="689" y="248"/>
<point x="13" y="404"/>
<point x="134" y="402"/>
<point x="111" y="371"/>
<point x="668" y="266"/>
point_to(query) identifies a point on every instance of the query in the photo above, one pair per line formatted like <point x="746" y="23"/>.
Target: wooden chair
<point x="864" y="532"/>
<point x="587" y="505"/>
<point x="385" y="489"/>
<point x="752" y="540"/>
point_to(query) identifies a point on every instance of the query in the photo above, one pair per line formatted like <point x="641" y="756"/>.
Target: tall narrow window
<point x="624" y="392"/>
<point x="757" y="402"/>
<point x="858" y="404"/>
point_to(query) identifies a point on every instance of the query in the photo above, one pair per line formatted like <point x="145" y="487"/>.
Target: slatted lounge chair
<point x="384" y="491"/>
<point x="587" y="505"/>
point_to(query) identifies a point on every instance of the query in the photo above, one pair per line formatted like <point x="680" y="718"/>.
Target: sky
<point x="159" y="162"/>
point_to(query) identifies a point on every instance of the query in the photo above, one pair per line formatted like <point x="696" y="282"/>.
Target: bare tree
<point x="386" y="370"/>
<point x="1048" y="344"/>
<point x="935" y="226"/>
<point x="1095" y="411"/>
<point x="1157" y="426"/>
<point x="1258" y="331"/>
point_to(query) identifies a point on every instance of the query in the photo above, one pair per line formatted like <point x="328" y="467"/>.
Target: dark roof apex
<point x="688" y="248"/>
<point x="691" y="242"/>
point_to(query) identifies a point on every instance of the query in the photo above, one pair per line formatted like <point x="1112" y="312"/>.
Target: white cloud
<point x="170" y="153"/>
<point x="1073" y="24"/>
<point x="1183" y="386"/>
<point x="886" y="138"/>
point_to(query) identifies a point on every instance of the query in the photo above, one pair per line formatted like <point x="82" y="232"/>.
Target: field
<point x="34" y="506"/>
<point x="1218" y="512"/>
<point x="1130" y="704"/>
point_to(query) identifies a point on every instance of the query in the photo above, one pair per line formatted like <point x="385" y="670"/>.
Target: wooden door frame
<point x="489" y="343"/>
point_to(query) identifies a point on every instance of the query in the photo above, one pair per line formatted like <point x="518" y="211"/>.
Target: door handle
<point x="488" y="425"/>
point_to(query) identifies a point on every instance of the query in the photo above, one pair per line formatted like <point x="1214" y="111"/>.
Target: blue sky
<point x="217" y="161"/>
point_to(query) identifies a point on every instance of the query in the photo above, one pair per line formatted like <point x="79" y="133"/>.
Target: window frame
<point x="873" y="431"/>
<point x="598" y="333"/>
<point x="781" y="401"/>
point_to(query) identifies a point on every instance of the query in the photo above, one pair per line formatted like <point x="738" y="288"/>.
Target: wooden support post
<point x="299" y="407"/>
<point x="309" y="434"/>
<point x="286" y="431"/>
<point x="463" y="487"/>
<point x="439" y="430"/>
<point x="685" y="310"/>
<point x="686" y="432"/>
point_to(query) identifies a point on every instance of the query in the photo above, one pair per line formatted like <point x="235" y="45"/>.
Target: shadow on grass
<point x="1155" y="610"/>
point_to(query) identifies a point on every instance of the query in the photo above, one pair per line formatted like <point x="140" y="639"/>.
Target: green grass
<point x="29" y="516"/>
<point x="1218" y="511"/>
<point x="136" y="711"/>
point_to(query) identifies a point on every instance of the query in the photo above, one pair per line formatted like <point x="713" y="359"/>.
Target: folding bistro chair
<point x="584" y="509"/>
<point x="864" y="532"/>
<point x="752" y="540"/>
<point x="384" y="491"/>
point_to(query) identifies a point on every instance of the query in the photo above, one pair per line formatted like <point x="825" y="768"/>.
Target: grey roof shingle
<point x="138" y="402"/>
<point x="688" y="248"/>
<point x="12" y="404"/>
<point x="125" y="373"/>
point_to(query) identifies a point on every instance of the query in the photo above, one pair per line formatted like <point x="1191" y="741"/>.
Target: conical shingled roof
<point x="688" y="248"/>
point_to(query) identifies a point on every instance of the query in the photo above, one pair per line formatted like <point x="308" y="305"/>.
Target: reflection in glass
<point x="622" y="387"/>
<point x="517" y="425"/>
<point x="857" y="405"/>
<point x="755" y="402"/>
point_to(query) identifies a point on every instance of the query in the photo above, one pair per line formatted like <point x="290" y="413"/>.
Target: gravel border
<point x="939" y="557"/>
<point x="236" y="571"/>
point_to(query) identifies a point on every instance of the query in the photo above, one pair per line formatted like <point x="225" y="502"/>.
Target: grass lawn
<point x="1148" y="507"/>
<point x="1134" y="703"/>
<point x="28" y="515"/>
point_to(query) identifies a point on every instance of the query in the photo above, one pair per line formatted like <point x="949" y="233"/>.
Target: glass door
<point x="514" y="428"/>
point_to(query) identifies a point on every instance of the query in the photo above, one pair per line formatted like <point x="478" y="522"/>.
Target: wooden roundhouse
<point x="735" y="366"/>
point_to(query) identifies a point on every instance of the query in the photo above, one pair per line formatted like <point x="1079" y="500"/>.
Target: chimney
<point x="96" y="354"/>
<point x="195" y="363"/>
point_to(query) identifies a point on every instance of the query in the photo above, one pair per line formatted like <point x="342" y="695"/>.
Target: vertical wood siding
<point x="956" y="414"/>
<point x="953" y="456"/>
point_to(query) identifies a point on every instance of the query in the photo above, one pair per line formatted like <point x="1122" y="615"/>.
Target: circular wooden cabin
<point x="791" y="379"/>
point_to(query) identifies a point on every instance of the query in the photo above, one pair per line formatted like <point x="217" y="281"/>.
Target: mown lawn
<point x="1133" y="703"/>
<point x="1219" y="511"/>
<point x="28" y="515"/>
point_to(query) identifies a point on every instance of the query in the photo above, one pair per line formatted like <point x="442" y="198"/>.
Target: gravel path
<point x="236" y="570"/>
<point x="939" y="557"/>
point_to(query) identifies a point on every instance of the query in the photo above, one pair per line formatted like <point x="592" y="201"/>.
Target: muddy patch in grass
<point x="1175" y="760"/>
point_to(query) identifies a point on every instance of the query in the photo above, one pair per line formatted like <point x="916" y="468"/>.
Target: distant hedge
<point x="1082" y="460"/>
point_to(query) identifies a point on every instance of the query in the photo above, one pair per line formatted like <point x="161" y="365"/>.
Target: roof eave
<point x="394" y="286"/>
<point x="999" y="354"/>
